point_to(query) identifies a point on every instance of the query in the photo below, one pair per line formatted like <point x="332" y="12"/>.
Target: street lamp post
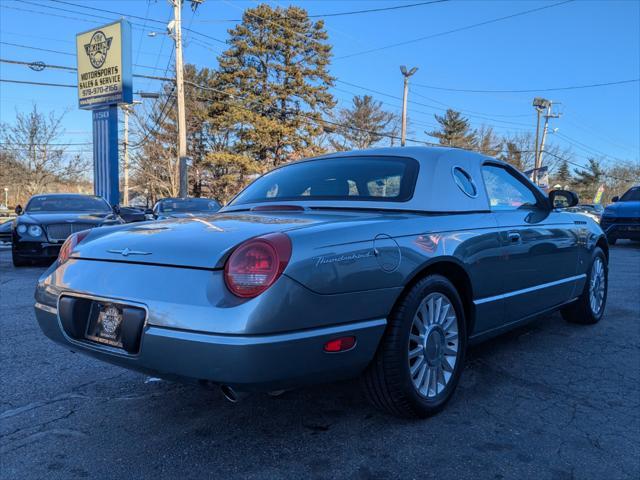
<point x="406" y="74"/>
<point x="127" y="109"/>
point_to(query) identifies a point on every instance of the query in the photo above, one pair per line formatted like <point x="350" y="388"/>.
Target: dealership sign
<point x="104" y="65"/>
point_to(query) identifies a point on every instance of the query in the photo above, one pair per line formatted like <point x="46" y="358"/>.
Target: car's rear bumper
<point x="244" y="362"/>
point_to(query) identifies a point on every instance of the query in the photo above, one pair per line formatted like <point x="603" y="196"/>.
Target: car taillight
<point x="256" y="264"/>
<point x="69" y="244"/>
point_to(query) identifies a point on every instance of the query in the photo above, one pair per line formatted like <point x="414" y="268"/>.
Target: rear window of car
<point x="390" y="179"/>
<point x="189" y="205"/>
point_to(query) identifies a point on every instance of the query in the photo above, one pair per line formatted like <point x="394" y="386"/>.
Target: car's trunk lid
<point x="200" y="242"/>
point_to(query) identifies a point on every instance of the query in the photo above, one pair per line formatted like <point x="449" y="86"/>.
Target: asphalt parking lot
<point x="547" y="401"/>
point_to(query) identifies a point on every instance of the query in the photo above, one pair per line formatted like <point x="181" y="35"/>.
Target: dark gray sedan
<point x="383" y="264"/>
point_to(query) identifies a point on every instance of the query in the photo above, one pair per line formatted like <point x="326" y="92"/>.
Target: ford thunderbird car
<point x="39" y="231"/>
<point x="383" y="264"/>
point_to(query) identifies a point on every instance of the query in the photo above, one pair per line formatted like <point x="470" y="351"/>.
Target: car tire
<point x="582" y="310"/>
<point x="18" y="261"/>
<point x="392" y="380"/>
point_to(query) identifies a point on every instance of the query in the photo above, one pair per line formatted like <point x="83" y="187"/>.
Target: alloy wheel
<point x="433" y="345"/>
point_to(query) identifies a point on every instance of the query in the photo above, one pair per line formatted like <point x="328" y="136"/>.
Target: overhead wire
<point x="531" y="90"/>
<point x="454" y="30"/>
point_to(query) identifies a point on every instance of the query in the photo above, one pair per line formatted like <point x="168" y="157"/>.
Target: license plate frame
<point x="105" y="324"/>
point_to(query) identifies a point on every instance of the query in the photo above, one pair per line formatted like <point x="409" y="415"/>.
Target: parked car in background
<point x="621" y="219"/>
<point x="132" y="214"/>
<point x="384" y="263"/>
<point x="592" y="210"/>
<point x="5" y="232"/>
<point x="40" y="229"/>
<point x="184" y="207"/>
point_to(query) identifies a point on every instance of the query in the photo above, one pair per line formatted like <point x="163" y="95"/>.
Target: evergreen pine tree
<point x="363" y="125"/>
<point x="563" y="175"/>
<point x="276" y="71"/>
<point x="455" y="130"/>
<point x="588" y="179"/>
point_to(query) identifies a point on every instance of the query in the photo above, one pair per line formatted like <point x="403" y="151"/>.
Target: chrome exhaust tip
<point x="232" y="395"/>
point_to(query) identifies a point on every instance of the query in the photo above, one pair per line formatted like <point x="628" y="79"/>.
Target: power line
<point x="372" y="10"/>
<point x="455" y="30"/>
<point x="42" y="66"/>
<point x="341" y="14"/>
<point x="37" y="48"/>
<point x="435" y="107"/>
<point x="120" y="14"/>
<point x="531" y="90"/>
<point x="46" y="84"/>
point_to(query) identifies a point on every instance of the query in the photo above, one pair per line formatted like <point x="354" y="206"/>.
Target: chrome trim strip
<point x="46" y="308"/>
<point x="529" y="289"/>
<point x="233" y="339"/>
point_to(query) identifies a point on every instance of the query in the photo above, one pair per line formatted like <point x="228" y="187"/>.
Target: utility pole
<point x="547" y="116"/>
<point x="176" y="26"/>
<point x="406" y="74"/>
<point x="540" y="104"/>
<point x="125" y="148"/>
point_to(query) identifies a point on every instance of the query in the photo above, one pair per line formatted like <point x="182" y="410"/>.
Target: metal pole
<point x="125" y="193"/>
<point x="403" y="135"/>
<point x="182" y="125"/>
<point x="544" y="135"/>
<point x="537" y="164"/>
<point x="6" y="197"/>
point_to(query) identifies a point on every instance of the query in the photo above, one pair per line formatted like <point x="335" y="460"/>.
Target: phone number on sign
<point x="102" y="90"/>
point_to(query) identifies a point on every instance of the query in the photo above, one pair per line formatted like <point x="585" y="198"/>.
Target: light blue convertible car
<point x="383" y="264"/>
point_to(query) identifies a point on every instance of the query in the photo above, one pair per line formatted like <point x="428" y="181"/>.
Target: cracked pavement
<point x="549" y="400"/>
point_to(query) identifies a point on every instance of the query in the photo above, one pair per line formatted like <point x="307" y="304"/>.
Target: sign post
<point x="104" y="82"/>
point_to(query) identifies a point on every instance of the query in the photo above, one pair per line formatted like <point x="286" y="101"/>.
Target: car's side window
<point x="505" y="191"/>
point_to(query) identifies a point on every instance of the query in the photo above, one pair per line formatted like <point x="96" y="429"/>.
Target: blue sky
<point x="577" y="43"/>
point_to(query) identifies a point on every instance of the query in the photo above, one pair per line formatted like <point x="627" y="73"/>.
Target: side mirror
<point x="18" y="209"/>
<point x="116" y="209"/>
<point x="615" y="199"/>
<point x="563" y="199"/>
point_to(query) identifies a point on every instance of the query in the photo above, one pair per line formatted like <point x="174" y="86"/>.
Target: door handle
<point x="514" y="237"/>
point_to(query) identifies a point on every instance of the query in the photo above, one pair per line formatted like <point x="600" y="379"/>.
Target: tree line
<point x="268" y="102"/>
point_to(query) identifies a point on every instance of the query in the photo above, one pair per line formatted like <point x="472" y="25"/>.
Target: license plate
<point x="106" y="326"/>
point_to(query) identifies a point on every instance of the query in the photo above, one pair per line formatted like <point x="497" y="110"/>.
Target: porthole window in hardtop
<point x="464" y="182"/>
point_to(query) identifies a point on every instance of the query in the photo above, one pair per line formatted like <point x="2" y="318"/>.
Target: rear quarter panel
<point x="389" y="251"/>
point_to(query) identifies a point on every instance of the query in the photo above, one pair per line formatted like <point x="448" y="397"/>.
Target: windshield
<point x="67" y="203"/>
<point x="390" y="179"/>
<point x="189" y="205"/>
<point x="632" y="195"/>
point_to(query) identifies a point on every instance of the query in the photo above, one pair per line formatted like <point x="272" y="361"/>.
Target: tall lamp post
<point x="125" y="144"/>
<point x="406" y="74"/>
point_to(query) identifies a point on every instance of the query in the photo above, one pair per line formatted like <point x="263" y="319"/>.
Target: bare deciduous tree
<point x="33" y="154"/>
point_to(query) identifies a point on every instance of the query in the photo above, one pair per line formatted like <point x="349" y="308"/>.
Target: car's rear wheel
<point x="18" y="261"/>
<point x="589" y="308"/>
<point x="419" y="361"/>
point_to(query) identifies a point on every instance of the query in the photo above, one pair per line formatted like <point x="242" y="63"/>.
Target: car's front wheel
<point x="419" y="361"/>
<point x="589" y="308"/>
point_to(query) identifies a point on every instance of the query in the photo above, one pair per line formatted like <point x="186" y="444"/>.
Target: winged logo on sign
<point x="97" y="48"/>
